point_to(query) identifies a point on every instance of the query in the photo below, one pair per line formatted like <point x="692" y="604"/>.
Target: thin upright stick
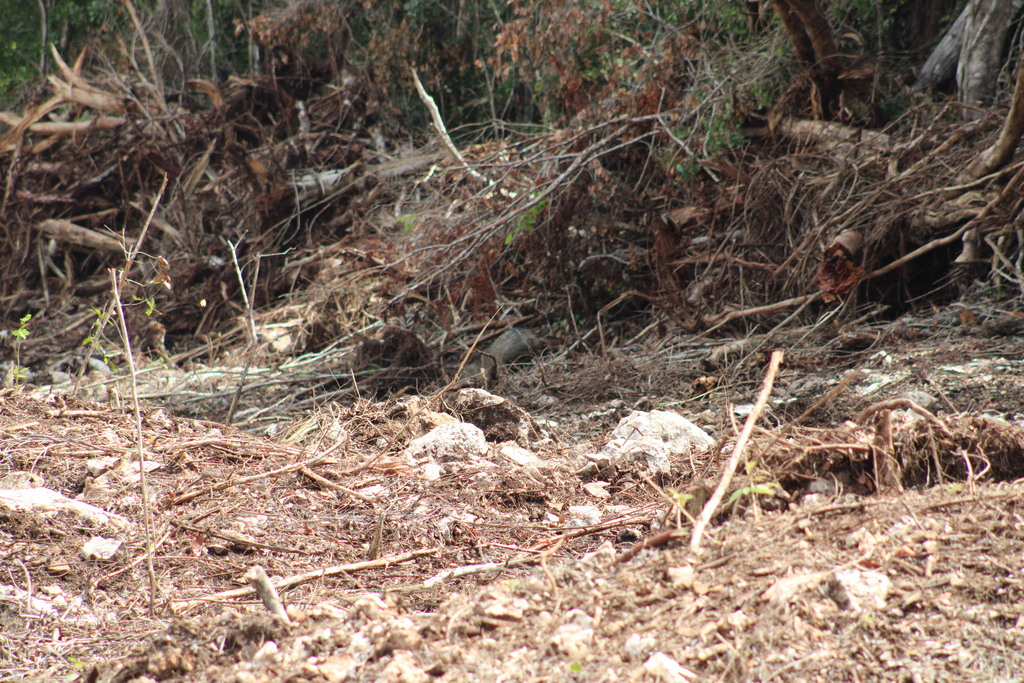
<point x="147" y="514"/>
<point x="737" y="452"/>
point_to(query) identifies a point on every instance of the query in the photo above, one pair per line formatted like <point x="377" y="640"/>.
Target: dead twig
<point x="904" y="403"/>
<point x="261" y="583"/>
<point x="435" y="116"/>
<point x="294" y="467"/>
<point x="716" y="321"/>
<point x="656" y="541"/>
<point x="254" y="337"/>
<point x="324" y="481"/>
<point x="737" y="451"/>
<point x="583" y="531"/>
<point x="147" y="513"/>
<point x="179" y="606"/>
<point x="118" y="281"/>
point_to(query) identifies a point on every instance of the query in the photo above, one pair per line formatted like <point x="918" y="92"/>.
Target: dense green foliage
<point x="70" y="25"/>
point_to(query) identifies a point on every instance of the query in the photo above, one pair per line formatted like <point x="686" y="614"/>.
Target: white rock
<point x="856" y="590"/>
<point x="403" y="669"/>
<point x="421" y="418"/>
<point x="573" y="639"/>
<point x="48" y="502"/>
<point x="600" y="557"/>
<point x="337" y="668"/>
<point x="58" y="377"/>
<point x="21" y="479"/>
<point x="500" y="419"/>
<point x="131" y="469"/>
<point x="97" y="365"/>
<point x="430" y="471"/>
<point x="652" y="439"/>
<point x="99" y="548"/>
<point x="636" y="646"/>
<point x="663" y="668"/>
<point x="458" y="441"/>
<point x="267" y="654"/>
<point x="583" y="515"/>
<point x="25" y="602"/>
<point x="97" y="466"/>
<point x="743" y="409"/>
<point x="681" y="576"/>
<point x="517" y="454"/>
<point x="921" y="398"/>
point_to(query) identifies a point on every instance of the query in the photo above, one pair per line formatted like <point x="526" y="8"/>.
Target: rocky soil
<point x="514" y="534"/>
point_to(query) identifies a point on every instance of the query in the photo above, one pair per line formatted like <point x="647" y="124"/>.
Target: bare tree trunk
<point x="817" y="27"/>
<point x="815" y="45"/>
<point x="795" y="30"/>
<point x="1002" y="150"/>
<point x="988" y="22"/>
<point x="211" y="41"/>
<point x="44" y="30"/>
<point x="941" y="63"/>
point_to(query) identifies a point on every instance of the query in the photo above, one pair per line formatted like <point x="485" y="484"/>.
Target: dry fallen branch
<point x="65" y="127"/>
<point x="93" y="99"/>
<point x="721" y="319"/>
<point x="77" y="235"/>
<point x="442" y="130"/>
<point x="830" y="135"/>
<point x="294" y="467"/>
<point x="10" y="139"/>
<point x="179" y="606"/>
<point x="465" y="570"/>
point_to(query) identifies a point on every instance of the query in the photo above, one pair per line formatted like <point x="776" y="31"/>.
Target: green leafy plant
<point x="528" y="221"/>
<point x="753" y="489"/>
<point x="20" y="334"/>
<point x="95" y="337"/>
<point x="758" y="486"/>
<point x="680" y="502"/>
<point x="149" y="302"/>
<point x="408" y="222"/>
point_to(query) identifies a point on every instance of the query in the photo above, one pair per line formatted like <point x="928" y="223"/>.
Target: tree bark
<point x="1002" y="150"/>
<point x="795" y="30"/>
<point x="988" y="22"/>
<point x="818" y="30"/>
<point x="815" y="44"/>
<point x="808" y="30"/>
<point x="941" y="63"/>
<point x="940" y="66"/>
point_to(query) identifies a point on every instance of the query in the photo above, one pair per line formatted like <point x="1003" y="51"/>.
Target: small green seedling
<point x="528" y="221"/>
<point x="95" y="337"/>
<point x="680" y="502"/>
<point x="756" y="487"/>
<point x="20" y="334"/>
<point x="753" y="489"/>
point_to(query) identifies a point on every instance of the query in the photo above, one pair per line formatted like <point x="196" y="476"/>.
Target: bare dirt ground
<point x="521" y="564"/>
